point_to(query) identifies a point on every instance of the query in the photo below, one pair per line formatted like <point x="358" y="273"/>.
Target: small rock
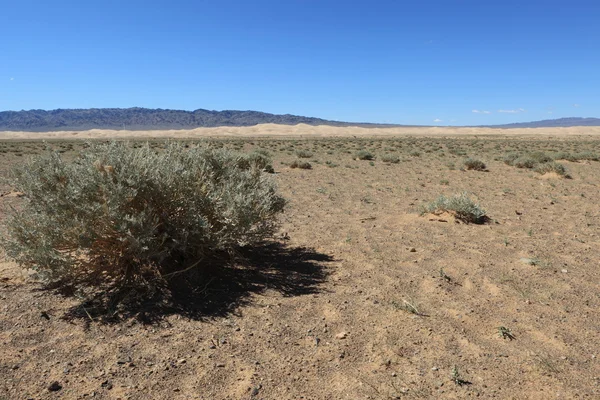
<point x="564" y="271"/>
<point x="434" y="368"/>
<point x="220" y="365"/>
<point x="413" y="250"/>
<point x="126" y="360"/>
<point x="341" y="335"/>
<point x="255" y="390"/>
<point x="54" y="386"/>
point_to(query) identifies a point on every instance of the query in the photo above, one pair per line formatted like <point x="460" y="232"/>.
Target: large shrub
<point x="117" y="211"/>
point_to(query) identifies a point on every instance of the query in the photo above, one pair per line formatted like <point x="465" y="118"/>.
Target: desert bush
<point x="540" y="157"/>
<point x="563" y="155"/>
<point x="554" y="167"/>
<point x="300" y="164"/>
<point x="524" y="162"/>
<point x="364" y="155"/>
<point x="473" y="164"/>
<point x="461" y="206"/>
<point x="304" y="154"/>
<point x="117" y="213"/>
<point x="390" y="158"/>
<point x="257" y="159"/>
<point x="510" y="158"/>
<point x="587" y="155"/>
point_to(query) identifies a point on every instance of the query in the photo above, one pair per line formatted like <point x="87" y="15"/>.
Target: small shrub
<point x="550" y="167"/>
<point x="510" y="158"/>
<point x="461" y="206"/>
<point x="524" y="162"/>
<point x="505" y="333"/>
<point x="259" y="159"/>
<point x="390" y="158"/>
<point x="364" y="155"/>
<point x="475" y="165"/>
<point x="587" y="155"/>
<point x="300" y="164"/>
<point x="563" y="155"/>
<point x="304" y="154"/>
<point x="117" y="213"/>
<point x="540" y="157"/>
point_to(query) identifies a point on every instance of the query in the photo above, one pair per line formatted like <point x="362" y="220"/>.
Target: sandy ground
<point x="302" y="130"/>
<point x="366" y="299"/>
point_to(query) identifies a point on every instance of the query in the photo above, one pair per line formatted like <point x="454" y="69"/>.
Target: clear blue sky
<point x="446" y="62"/>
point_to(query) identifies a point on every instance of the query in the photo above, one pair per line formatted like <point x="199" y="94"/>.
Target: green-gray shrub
<point x="553" y="166"/>
<point x="116" y="212"/>
<point x="525" y="162"/>
<point x="587" y="155"/>
<point x="460" y="205"/>
<point x="257" y="159"/>
<point x="474" y="164"/>
<point x="510" y="158"/>
<point x="304" y="154"/>
<point x="540" y="157"/>
<point x="300" y="164"/>
<point x="364" y="155"/>
<point x="563" y="155"/>
<point x="390" y="158"/>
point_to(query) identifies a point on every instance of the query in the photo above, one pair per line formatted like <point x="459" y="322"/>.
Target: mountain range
<point x="153" y="119"/>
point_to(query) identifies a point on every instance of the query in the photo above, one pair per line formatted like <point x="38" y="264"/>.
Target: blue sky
<point x="445" y="62"/>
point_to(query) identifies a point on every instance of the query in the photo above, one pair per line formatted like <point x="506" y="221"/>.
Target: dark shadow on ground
<point x="214" y="289"/>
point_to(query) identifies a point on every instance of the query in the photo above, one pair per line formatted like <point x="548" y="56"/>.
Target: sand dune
<point x="303" y="130"/>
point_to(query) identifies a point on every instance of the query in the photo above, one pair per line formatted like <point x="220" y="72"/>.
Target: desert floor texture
<point x="360" y="296"/>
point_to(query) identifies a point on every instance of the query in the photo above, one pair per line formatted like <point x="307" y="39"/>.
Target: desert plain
<point x="360" y="295"/>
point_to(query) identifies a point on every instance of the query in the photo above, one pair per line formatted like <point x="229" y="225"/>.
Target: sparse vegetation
<point x="457" y="378"/>
<point x="409" y="306"/>
<point x="505" y="333"/>
<point x="350" y="244"/>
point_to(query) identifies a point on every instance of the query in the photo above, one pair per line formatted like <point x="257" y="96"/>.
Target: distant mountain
<point x="152" y="119"/>
<point x="145" y="119"/>
<point x="553" y="123"/>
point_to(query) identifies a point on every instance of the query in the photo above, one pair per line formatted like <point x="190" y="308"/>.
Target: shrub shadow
<point x="216" y="288"/>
